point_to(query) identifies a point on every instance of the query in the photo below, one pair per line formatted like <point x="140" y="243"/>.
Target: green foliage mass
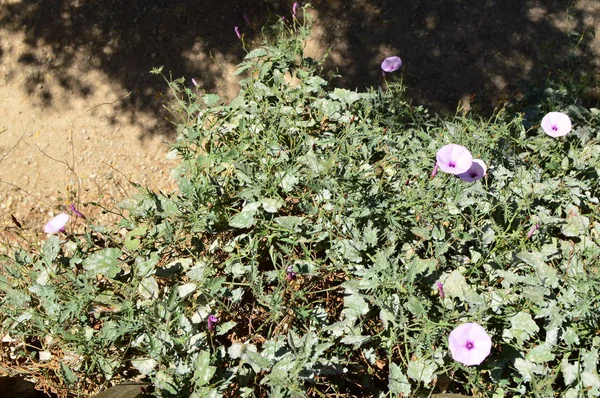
<point x="335" y="186"/>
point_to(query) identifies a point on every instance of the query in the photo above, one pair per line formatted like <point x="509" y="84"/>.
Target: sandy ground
<point x="80" y="115"/>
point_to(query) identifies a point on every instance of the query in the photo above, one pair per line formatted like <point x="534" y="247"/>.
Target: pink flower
<point x="476" y="172"/>
<point x="56" y="224"/>
<point x="435" y="169"/>
<point x="532" y="230"/>
<point x="391" y="64"/>
<point x="237" y="32"/>
<point x="290" y="274"/>
<point x="75" y="211"/>
<point x="469" y="344"/>
<point x="454" y="159"/>
<point x="294" y="9"/>
<point x="212" y="322"/>
<point x="441" y="292"/>
<point x="556" y="124"/>
<point x="194" y="82"/>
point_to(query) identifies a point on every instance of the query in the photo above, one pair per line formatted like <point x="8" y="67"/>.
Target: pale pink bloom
<point x="194" y="82"/>
<point x="441" y="292"/>
<point x="56" y="224"/>
<point x="212" y="322"/>
<point x="469" y="344"/>
<point x="532" y="230"/>
<point x="294" y="9"/>
<point x="476" y="172"/>
<point x="435" y="169"/>
<point x="237" y="32"/>
<point x="290" y="274"/>
<point x="454" y="159"/>
<point x="556" y="124"/>
<point x="391" y="64"/>
<point x="75" y="211"/>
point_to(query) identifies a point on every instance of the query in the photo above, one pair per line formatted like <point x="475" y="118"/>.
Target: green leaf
<point x="210" y="99"/>
<point x="257" y="361"/>
<point x="420" y="266"/>
<point x="456" y="286"/>
<point x="245" y="219"/>
<point x="67" y="373"/>
<point x="288" y="182"/>
<point x="541" y="353"/>
<point x="421" y="370"/>
<point x="51" y="249"/>
<point x="164" y="383"/>
<point x="354" y="303"/>
<point x="346" y="96"/>
<point x="355" y="341"/>
<point x="290" y="223"/>
<point x="570" y="371"/>
<point x="145" y="267"/>
<point x="546" y="273"/>
<point x="398" y="382"/>
<point x="225" y="327"/>
<point x="144" y="365"/>
<point x="422" y="233"/>
<point x="271" y="205"/>
<point x="259" y="52"/>
<point x="576" y="224"/>
<point x="131" y="243"/>
<point x="105" y="262"/>
<point x="523" y="327"/>
<point x="415" y="306"/>
<point x="526" y="368"/>
<point x="148" y="288"/>
<point x="203" y="372"/>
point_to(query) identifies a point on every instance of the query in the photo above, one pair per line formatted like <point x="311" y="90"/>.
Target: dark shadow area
<point x="15" y="387"/>
<point x="452" y="49"/>
<point x="458" y="49"/>
<point x="125" y="40"/>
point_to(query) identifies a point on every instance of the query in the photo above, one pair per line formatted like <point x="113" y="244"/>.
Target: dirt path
<point x="76" y="93"/>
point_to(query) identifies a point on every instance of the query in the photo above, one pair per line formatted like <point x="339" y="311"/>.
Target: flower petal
<point x="391" y="64"/>
<point x="56" y="224"/>
<point x="454" y="159"/>
<point x="476" y="172"/>
<point x="477" y="337"/>
<point x="556" y="124"/>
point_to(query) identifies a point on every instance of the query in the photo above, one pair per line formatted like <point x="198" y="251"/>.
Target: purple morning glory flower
<point x="212" y="322"/>
<point x="391" y="64"/>
<point x="556" y="124"/>
<point x="532" y="230"/>
<point x="75" y="211"/>
<point x="237" y="32"/>
<point x="469" y="344"/>
<point x="476" y="172"/>
<point x="294" y="9"/>
<point x="454" y="159"/>
<point x="435" y="169"/>
<point x="290" y="274"/>
<point x="56" y="224"/>
<point x="440" y="287"/>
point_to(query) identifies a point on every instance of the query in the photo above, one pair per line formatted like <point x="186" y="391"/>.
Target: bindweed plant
<point x="309" y="251"/>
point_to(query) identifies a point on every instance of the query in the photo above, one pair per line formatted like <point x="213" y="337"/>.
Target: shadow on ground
<point x="452" y="49"/>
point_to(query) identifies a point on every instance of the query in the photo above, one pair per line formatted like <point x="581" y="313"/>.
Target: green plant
<point x="307" y="222"/>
